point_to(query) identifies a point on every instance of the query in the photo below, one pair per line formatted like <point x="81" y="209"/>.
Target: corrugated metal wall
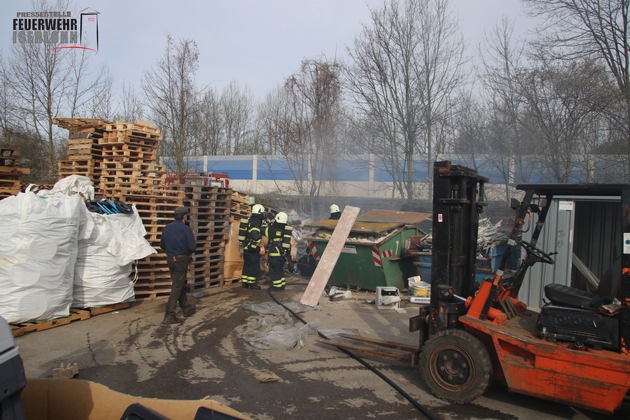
<point x="582" y="225"/>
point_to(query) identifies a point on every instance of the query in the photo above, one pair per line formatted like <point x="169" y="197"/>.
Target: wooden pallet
<point x="139" y="127"/>
<point x="375" y="348"/>
<point x="76" y="314"/>
<point x="9" y="152"/>
<point x="8" y="161"/>
<point x="230" y="281"/>
<point x="152" y="294"/>
<point x="240" y="197"/>
<point x="108" y="308"/>
<point x="80" y="124"/>
<point x="10" y="185"/>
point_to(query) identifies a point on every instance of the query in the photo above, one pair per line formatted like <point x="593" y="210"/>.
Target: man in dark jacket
<point x="178" y="241"/>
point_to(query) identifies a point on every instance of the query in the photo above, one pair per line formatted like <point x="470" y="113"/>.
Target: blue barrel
<point x="497" y="252"/>
<point x="424" y="267"/>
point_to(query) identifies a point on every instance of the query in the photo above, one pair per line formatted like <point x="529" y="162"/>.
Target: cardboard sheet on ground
<point x="71" y="399"/>
<point x="327" y="263"/>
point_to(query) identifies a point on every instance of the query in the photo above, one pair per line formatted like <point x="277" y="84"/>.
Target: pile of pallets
<point x="240" y="205"/>
<point x="116" y="156"/>
<point x="210" y="220"/>
<point x="10" y="173"/>
<point x="121" y="158"/>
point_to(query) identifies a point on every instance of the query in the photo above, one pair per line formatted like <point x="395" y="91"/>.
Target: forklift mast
<point x="458" y="199"/>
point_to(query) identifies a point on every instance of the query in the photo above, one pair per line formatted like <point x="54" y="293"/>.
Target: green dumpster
<point x="376" y="251"/>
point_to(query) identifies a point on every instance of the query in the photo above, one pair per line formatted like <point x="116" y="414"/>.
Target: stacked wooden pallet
<point x="210" y="220"/>
<point x="10" y="173"/>
<point x="155" y="206"/>
<point x="123" y="159"/>
<point x="240" y="205"/>
<point x="116" y="156"/>
<point x="84" y="151"/>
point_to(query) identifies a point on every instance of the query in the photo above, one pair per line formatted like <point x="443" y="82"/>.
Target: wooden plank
<point x="20" y="329"/>
<point x="378" y="352"/>
<point x="108" y="308"/>
<point x="383" y="343"/>
<point x="327" y="263"/>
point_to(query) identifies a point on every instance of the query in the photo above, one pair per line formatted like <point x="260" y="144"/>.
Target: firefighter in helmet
<point x="251" y="235"/>
<point x="335" y="213"/>
<point x="279" y="234"/>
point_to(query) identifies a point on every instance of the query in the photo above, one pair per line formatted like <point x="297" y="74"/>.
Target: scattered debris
<point x="66" y="372"/>
<point x="274" y="332"/>
<point x="387" y="298"/>
<point x="265" y="377"/>
<point x="335" y="294"/>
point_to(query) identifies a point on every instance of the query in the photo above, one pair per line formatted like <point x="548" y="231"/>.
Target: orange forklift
<point x="574" y="351"/>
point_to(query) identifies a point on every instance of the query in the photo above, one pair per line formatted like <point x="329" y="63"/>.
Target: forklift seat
<point x="561" y="295"/>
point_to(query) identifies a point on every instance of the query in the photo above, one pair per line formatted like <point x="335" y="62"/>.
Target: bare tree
<point x="237" y="109"/>
<point x="301" y="122"/>
<point x="277" y="123"/>
<point x="283" y="130"/>
<point x="503" y="141"/>
<point x="440" y="70"/>
<point x="46" y="82"/>
<point x="173" y="101"/>
<point x="564" y="102"/>
<point x="404" y="70"/>
<point x="210" y="125"/>
<point x="89" y="95"/>
<point x="130" y="106"/>
<point x="592" y="29"/>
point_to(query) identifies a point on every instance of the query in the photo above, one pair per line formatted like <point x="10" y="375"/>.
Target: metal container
<point x="376" y="251"/>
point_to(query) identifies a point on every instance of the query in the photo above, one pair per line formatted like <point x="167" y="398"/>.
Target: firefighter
<point x="279" y="234"/>
<point x="250" y="235"/>
<point x="335" y="213"/>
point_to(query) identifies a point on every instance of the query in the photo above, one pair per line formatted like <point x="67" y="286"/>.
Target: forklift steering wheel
<point x="537" y="253"/>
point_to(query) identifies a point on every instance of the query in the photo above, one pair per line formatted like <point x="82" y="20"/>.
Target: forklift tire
<point x="456" y="366"/>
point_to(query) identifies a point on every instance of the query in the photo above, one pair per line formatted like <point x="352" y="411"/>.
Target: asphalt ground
<point x="210" y="356"/>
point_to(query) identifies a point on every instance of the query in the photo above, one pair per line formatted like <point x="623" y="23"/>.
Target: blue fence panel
<point x="278" y="170"/>
<point x="382" y="173"/>
<point x="355" y="170"/>
<point x="527" y="170"/>
<point x="609" y="170"/>
<point x="420" y="173"/>
<point x="235" y="168"/>
<point x="195" y="164"/>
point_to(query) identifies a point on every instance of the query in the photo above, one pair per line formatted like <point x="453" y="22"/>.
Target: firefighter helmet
<point x="258" y="209"/>
<point x="282" y="217"/>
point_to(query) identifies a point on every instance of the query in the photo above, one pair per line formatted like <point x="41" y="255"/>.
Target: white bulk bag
<point x="38" y="250"/>
<point x="103" y="268"/>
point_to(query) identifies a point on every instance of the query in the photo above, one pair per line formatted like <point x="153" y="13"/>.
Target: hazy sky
<point x="255" y="42"/>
